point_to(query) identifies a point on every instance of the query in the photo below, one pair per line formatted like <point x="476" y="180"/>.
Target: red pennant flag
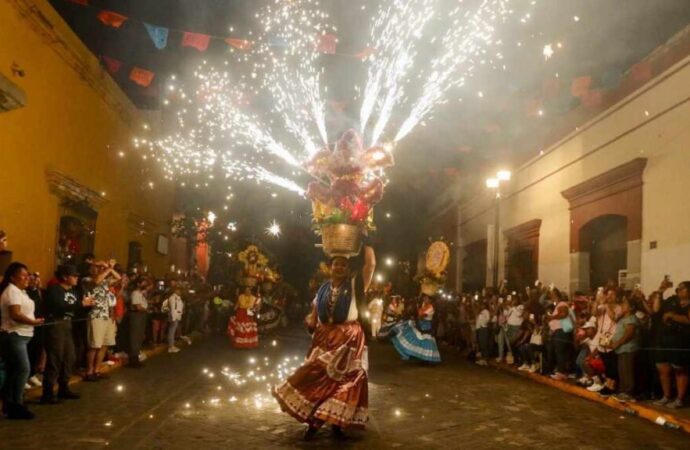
<point x="580" y="86"/>
<point x="112" y="19"/>
<point x="592" y="99"/>
<point x="112" y="65"/>
<point x="365" y="53"/>
<point x="338" y="106"/>
<point x="196" y="40"/>
<point x="550" y="87"/>
<point x="532" y="107"/>
<point x="641" y="71"/>
<point x="80" y="2"/>
<point x="142" y="77"/>
<point x="240" y="44"/>
<point x="327" y="44"/>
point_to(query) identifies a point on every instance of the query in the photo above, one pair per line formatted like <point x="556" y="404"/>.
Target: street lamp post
<point x="495" y="184"/>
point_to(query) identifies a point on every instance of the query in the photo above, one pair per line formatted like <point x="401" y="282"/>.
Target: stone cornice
<point x="619" y="179"/>
<point x="56" y="34"/>
<point x="69" y="189"/>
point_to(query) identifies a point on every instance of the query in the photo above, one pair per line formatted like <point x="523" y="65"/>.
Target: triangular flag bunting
<point x="641" y="71"/>
<point x="327" y="44"/>
<point x="365" y="53"/>
<point x="240" y="44"/>
<point x="142" y="77"/>
<point x="277" y="41"/>
<point x="159" y="35"/>
<point x="112" y="19"/>
<point x="196" y="40"/>
<point x="550" y="87"/>
<point x="580" y="86"/>
<point x="592" y="99"/>
<point x="112" y="65"/>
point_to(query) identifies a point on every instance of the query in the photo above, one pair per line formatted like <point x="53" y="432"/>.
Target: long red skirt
<point x="243" y="331"/>
<point x="332" y="384"/>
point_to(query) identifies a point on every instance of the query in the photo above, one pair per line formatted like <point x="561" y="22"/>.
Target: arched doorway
<point x="134" y="255"/>
<point x="603" y="206"/>
<point x="605" y="240"/>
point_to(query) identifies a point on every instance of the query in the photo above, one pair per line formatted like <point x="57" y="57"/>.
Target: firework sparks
<point x="273" y="229"/>
<point x="217" y="126"/>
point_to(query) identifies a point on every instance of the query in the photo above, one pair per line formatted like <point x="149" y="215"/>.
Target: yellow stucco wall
<point x="652" y="123"/>
<point x="69" y="126"/>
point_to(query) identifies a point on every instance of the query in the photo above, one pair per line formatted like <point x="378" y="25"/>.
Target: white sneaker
<point x="499" y="360"/>
<point x="481" y="362"/>
<point x="533" y="368"/>
<point x="596" y="387"/>
<point x="34" y="381"/>
<point x="142" y="356"/>
<point x="524" y="367"/>
<point x="27" y="386"/>
<point x="173" y="350"/>
<point x="583" y="380"/>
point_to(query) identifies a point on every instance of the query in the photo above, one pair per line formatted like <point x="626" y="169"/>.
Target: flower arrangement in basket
<point x="349" y="187"/>
<point x="433" y="276"/>
<point x="254" y="264"/>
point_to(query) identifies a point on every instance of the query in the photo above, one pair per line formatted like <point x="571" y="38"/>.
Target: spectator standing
<point x="102" y="328"/>
<point x="37" y="354"/>
<point x="174" y="307"/>
<point x="673" y="357"/>
<point x="17" y="325"/>
<point x="138" y="315"/>
<point x="625" y="343"/>
<point x="483" y="333"/>
<point x="607" y="312"/>
<point x="62" y="301"/>
<point x="562" y="324"/>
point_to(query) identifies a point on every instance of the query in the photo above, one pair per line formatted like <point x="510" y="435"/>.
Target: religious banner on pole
<point x="159" y="35"/>
<point x="196" y="40"/>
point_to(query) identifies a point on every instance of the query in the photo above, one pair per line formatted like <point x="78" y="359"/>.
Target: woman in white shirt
<point x="17" y="325"/>
<point x="483" y="333"/>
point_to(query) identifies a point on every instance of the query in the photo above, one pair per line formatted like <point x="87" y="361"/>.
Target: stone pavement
<point x="210" y="396"/>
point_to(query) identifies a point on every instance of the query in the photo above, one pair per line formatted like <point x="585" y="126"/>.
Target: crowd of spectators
<point x="617" y="342"/>
<point x="85" y="317"/>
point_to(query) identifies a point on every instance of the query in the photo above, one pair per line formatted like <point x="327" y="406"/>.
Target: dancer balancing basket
<point x="341" y="239"/>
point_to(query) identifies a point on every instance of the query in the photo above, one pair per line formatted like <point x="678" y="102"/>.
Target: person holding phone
<point x="62" y="303"/>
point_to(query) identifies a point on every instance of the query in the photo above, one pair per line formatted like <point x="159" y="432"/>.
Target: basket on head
<point x="341" y="239"/>
<point x="430" y="288"/>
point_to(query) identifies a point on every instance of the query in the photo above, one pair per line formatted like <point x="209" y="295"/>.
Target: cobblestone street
<point x="185" y="401"/>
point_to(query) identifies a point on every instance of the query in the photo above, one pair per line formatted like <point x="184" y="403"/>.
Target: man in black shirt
<point x="61" y="304"/>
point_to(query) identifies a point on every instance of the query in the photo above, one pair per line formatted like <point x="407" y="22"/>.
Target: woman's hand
<point x="38" y="322"/>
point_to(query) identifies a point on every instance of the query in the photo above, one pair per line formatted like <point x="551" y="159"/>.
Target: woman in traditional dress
<point x="393" y="316"/>
<point x="242" y="327"/>
<point x="331" y="386"/>
<point x="414" y="340"/>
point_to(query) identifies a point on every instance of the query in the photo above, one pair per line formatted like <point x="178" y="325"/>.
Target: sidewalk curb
<point x="35" y="392"/>
<point x="633" y="409"/>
